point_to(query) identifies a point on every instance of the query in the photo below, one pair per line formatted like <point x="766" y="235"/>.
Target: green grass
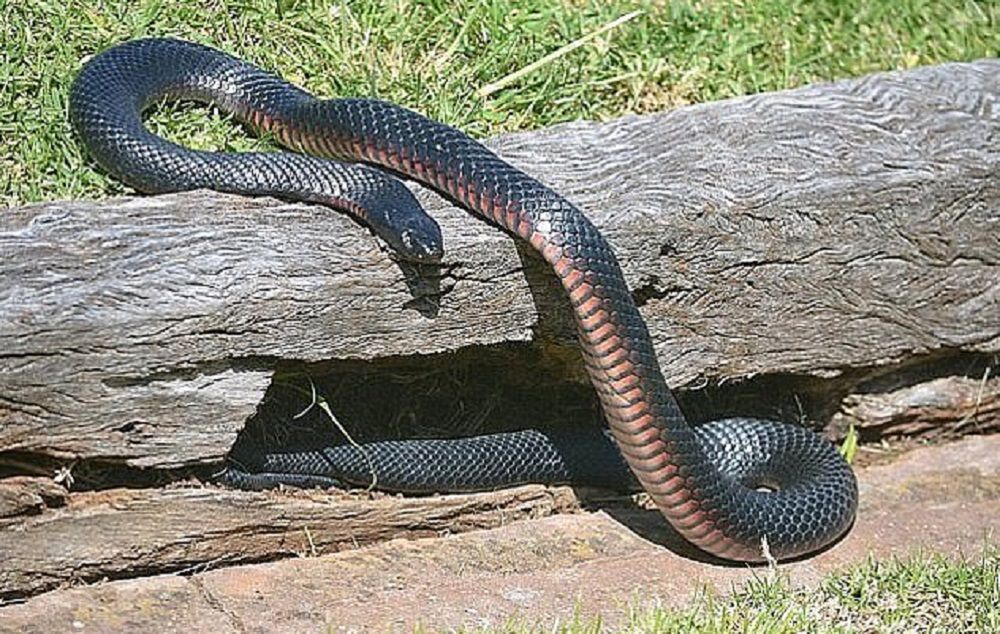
<point x="435" y="55"/>
<point x="926" y="593"/>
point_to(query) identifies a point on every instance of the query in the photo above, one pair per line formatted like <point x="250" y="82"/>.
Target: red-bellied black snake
<point x="724" y="487"/>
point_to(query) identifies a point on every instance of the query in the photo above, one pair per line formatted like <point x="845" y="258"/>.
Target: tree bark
<point x="128" y="533"/>
<point x="806" y="232"/>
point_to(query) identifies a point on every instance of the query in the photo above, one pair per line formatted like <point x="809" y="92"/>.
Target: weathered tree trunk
<point x="803" y="232"/>
<point x="833" y="234"/>
<point x="133" y="532"/>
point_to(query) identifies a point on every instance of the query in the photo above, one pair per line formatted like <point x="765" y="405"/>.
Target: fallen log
<point x="808" y="233"/>
<point x="944" y="407"/>
<point x="941" y="499"/>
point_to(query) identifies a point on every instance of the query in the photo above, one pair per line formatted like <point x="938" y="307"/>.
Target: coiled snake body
<point x="725" y="487"/>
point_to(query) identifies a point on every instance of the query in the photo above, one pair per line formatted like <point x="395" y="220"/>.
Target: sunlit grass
<point x="434" y="56"/>
<point x="926" y="594"/>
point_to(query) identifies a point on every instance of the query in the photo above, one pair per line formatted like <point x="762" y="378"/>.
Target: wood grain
<point x="946" y="406"/>
<point x="805" y="232"/>
<point x="127" y="533"/>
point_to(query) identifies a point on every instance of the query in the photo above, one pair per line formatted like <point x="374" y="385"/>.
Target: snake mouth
<point x="419" y="247"/>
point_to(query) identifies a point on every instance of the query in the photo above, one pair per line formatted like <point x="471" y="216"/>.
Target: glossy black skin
<point x="110" y="93"/>
<point x="784" y="459"/>
<point x="704" y="480"/>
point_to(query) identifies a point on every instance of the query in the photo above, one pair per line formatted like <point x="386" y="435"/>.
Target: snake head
<point x="423" y="244"/>
<point x="397" y="217"/>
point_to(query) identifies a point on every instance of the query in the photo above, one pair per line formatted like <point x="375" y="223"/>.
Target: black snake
<point x="726" y="486"/>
